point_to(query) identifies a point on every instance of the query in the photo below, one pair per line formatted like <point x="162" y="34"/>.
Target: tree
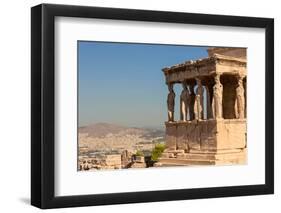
<point x="157" y="151"/>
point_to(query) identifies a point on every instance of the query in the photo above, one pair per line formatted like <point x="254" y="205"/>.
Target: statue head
<point x="217" y="79"/>
<point x="240" y="80"/>
<point x="170" y="87"/>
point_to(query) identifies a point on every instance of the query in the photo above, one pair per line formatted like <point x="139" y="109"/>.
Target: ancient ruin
<point x="212" y="126"/>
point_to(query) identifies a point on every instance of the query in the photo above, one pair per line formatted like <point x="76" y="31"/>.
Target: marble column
<point x="184" y="102"/>
<point x="208" y="97"/>
<point x="240" y="98"/>
<point x="217" y="98"/>
<point x="171" y="103"/>
<point x="198" y="106"/>
<point x="245" y="96"/>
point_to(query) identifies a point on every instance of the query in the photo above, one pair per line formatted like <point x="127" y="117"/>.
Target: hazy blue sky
<point x="123" y="83"/>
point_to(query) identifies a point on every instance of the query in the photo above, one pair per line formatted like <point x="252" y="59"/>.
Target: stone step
<point x="184" y="162"/>
<point x="198" y="156"/>
<point x="221" y="151"/>
<point x="210" y="156"/>
<point x="203" y="159"/>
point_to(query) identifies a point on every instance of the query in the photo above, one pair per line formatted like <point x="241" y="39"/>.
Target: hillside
<point x="106" y="137"/>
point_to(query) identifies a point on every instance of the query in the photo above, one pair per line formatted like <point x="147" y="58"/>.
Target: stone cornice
<point x="213" y="60"/>
<point x="216" y="64"/>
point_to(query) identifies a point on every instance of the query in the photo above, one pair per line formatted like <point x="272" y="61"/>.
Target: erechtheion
<point x="212" y="125"/>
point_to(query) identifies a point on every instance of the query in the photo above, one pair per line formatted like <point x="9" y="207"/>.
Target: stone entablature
<point x="228" y="51"/>
<point x="216" y="64"/>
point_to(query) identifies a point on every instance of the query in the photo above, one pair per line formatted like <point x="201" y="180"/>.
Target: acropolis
<point x="212" y="127"/>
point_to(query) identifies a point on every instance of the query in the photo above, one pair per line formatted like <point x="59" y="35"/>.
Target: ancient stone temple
<point x="212" y="126"/>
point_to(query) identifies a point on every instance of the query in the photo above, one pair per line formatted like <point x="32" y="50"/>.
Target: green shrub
<point x="139" y="153"/>
<point x="157" y="151"/>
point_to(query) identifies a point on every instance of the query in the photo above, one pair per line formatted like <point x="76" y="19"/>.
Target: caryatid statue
<point x="192" y="102"/>
<point x="184" y="102"/>
<point x="208" y="104"/>
<point x="240" y="99"/>
<point x="171" y="103"/>
<point x="198" y="105"/>
<point x="217" y="98"/>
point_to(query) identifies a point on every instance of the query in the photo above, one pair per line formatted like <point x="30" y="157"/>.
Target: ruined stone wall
<point x="103" y="162"/>
<point x="112" y="161"/>
<point x="234" y="52"/>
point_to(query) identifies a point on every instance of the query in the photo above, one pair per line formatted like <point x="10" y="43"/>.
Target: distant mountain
<point x="103" y="129"/>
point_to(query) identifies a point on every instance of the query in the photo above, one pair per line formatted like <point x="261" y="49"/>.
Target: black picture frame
<point x="43" y="102"/>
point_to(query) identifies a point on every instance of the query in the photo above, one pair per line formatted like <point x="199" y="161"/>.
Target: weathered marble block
<point x="231" y="134"/>
<point x="206" y="135"/>
<point x="171" y="137"/>
<point x="182" y="137"/>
